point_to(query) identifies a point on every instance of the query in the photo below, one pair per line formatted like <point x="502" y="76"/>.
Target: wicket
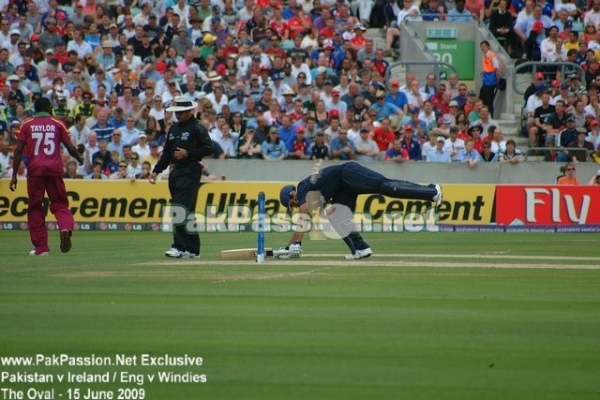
<point x="260" y="241"/>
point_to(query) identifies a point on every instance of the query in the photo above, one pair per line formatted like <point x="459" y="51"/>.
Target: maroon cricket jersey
<point x="43" y="136"/>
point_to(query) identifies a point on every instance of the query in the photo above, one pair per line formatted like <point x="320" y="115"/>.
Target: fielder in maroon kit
<point x="40" y="138"/>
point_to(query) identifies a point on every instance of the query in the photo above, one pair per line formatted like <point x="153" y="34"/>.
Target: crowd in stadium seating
<point x="273" y="81"/>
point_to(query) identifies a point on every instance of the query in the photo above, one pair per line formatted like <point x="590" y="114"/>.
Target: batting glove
<point x="282" y="253"/>
<point x="296" y="250"/>
<point x="291" y="251"/>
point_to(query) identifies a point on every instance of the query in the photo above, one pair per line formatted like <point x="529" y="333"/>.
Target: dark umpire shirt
<point x="190" y="135"/>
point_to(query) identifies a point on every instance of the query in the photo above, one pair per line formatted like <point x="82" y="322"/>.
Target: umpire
<point x="187" y="143"/>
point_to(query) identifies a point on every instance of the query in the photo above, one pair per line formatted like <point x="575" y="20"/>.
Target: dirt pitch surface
<point x="414" y="261"/>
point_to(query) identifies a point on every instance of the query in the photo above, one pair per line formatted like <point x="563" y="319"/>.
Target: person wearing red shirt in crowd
<point x="41" y="138"/>
<point x="446" y="102"/>
<point x="475" y="133"/>
<point x="383" y="135"/>
<point x="463" y="126"/>
<point x="359" y="40"/>
<point x="396" y="153"/>
<point x="298" y="147"/>
<point x="299" y="22"/>
<point x="297" y="112"/>
<point x="329" y="29"/>
<point x="61" y="23"/>
<point x="274" y="49"/>
<point x="229" y="47"/>
<point x="279" y="25"/>
<point x="379" y="63"/>
<point x="262" y="4"/>
<point x="61" y="54"/>
<point x="437" y="97"/>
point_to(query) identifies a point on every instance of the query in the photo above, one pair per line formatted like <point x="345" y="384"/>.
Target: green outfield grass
<point x="429" y="316"/>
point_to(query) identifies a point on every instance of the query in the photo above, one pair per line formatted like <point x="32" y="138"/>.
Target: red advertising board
<point x="547" y="205"/>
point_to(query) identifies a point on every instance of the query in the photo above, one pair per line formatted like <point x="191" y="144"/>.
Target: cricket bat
<point x="244" y="254"/>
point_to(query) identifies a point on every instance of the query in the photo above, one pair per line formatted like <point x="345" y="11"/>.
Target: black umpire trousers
<point x="184" y="183"/>
<point x="487" y="94"/>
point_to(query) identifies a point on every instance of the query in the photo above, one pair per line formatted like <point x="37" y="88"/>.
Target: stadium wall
<point x="484" y="173"/>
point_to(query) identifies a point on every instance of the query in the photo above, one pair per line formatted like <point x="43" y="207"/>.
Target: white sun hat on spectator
<point x="182" y="103"/>
<point x="213" y="76"/>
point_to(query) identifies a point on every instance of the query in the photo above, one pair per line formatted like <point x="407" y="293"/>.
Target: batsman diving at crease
<point x="341" y="185"/>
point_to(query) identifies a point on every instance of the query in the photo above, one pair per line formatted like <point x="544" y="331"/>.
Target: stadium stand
<point x="297" y="68"/>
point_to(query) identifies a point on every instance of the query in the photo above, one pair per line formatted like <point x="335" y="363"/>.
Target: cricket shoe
<point x="41" y="253"/>
<point x="174" y="253"/>
<point x="187" y="254"/>
<point x="65" y="241"/>
<point x="439" y="196"/>
<point x="364" y="253"/>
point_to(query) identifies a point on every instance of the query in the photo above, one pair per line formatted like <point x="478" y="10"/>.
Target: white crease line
<point x="475" y="256"/>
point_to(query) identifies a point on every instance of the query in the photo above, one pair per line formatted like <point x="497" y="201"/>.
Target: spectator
<point x="97" y="173"/>
<point x="116" y="144"/>
<point x="475" y="133"/>
<point x="565" y="138"/>
<point x="141" y="148"/>
<point x="555" y="123"/>
<point x="102" y="154"/>
<point x="453" y="144"/>
<point x="383" y="136"/>
<point x="542" y="117"/>
<point x="383" y="109"/>
<point x="342" y="148"/>
<point x="439" y="155"/>
<point x="485" y="121"/>
<point x="593" y="135"/>
<point x="410" y="144"/>
<point x="595" y="181"/>
<point x="147" y="170"/>
<point x="130" y="133"/>
<point x="429" y="146"/>
<point x="469" y="155"/>
<point x="273" y="148"/>
<point x="248" y="147"/>
<point x="320" y="149"/>
<point x="418" y="126"/>
<point x="71" y="171"/>
<point x="511" y="154"/>
<point x="154" y="154"/>
<point x="298" y="147"/>
<point x="532" y="31"/>
<point x="432" y="11"/>
<point x="569" y="178"/>
<point x="487" y="155"/>
<point x="498" y="143"/>
<point x="501" y="25"/>
<point x="121" y="172"/>
<point x="366" y="149"/>
<point x="459" y="13"/>
<point x="577" y="156"/>
<point x="410" y="12"/>
<point x="135" y="166"/>
<point x="396" y="153"/>
<point x="414" y="95"/>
